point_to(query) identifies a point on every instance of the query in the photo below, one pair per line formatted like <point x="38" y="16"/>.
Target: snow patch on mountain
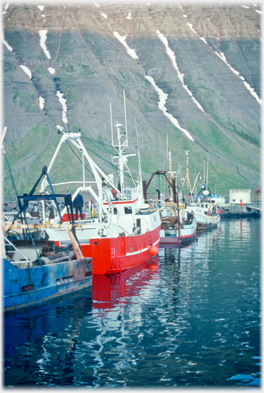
<point x="43" y="37"/>
<point x="5" y="8"/>
<point x="130" y="51"/>
<point x="41" y="102"/>
<point x="162" y="101"/>
<point x="129" y="15"/>
<point x="64" y="106"/>
<point x="5" y="43"/>
<point x="60" y="128"/>
<point x="26" y="70"/>
<point x="51" y="70"/>
<point x="195" y="32"/>
<point x="172" y="56"/>
<point x="222" y="57"/>
<point x="247" y="85"/>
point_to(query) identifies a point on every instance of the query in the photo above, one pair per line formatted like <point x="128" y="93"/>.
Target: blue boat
<point x="28" y="283"/>
<point x="35" y="273"/>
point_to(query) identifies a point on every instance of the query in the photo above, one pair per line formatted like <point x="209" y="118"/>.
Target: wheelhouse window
<point x="128" y="210"/>
<point x="128" y="193"/>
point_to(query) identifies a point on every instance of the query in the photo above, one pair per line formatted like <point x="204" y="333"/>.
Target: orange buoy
<point x="153" y="250"/>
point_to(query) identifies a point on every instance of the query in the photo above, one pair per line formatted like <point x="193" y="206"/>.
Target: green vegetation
<point x="87" y="71"/>
<point x="148" y="108"/>
<point x="93" y="68"/>
<point x="245" y="135"/>
<point x="27" y="145"/>
<point x="26" y="102"/>
<point x="16" y="94"/>
<point x="8" y="66"/>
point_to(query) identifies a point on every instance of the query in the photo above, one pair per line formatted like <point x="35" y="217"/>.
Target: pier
<point x="247" y="210"/>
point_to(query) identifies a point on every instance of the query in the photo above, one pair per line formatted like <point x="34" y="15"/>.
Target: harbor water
<point x="189" y="317"/>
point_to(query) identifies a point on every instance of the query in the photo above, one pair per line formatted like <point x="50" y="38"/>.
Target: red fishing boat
<point x="118" y="232"/>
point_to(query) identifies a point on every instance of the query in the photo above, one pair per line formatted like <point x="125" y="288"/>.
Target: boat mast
<point x="207" y="169"/>
<point x="170" y="171"/>
<point x="83" y="169"/>
<point x="187" y="177"/>
<point x="139" y="161"/>
<point x="120" y="146"/>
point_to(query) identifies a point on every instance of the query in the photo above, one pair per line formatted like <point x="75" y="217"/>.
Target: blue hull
<point x="36" y="285"/>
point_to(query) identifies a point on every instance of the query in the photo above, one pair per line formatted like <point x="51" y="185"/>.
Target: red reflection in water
<point x="107" y="289"/>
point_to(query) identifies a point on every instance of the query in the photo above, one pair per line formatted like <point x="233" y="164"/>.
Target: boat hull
<point x="115" y="254"/>
<point x="207" y="221"/>
<point x="187" y="235"/>
<point x="27" y="287"/>
<point x="204" y="215"/>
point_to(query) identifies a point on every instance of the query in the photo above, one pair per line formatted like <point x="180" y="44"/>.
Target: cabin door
<point x="139" y="226"/>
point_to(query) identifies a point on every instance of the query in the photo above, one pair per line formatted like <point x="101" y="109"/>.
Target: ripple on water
<point x="194" y="321"/>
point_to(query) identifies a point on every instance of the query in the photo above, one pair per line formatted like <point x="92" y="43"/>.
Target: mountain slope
<point x="206" y="59"/>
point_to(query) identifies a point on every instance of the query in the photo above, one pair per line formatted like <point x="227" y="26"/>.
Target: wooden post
<point x="75" y="245"/>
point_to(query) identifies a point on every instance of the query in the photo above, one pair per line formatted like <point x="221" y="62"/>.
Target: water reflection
<point x="109" y="289"/>
<point x="189" y="317"/>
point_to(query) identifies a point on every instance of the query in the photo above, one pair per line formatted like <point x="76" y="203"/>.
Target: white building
<point x="236" y="195"/>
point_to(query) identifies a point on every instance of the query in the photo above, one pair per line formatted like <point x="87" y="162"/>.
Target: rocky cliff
<point x="191" y="74"/>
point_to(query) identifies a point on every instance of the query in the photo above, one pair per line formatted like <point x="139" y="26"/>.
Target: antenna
<point x="139" y="162"/>
<point x="159" y="157"/>
<point x="120" y="146"/>
<point x="207" y="169"/>
<point x="187" y="177"/>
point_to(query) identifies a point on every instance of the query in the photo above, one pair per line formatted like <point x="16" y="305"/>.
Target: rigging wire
<point x="98" y="155"/>
<point x="13" y="181"/>
<point x="94" y="140"/>
<point x="109" y="162"/>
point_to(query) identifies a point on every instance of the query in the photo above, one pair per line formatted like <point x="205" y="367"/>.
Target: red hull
<point x="114" y="255"/>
